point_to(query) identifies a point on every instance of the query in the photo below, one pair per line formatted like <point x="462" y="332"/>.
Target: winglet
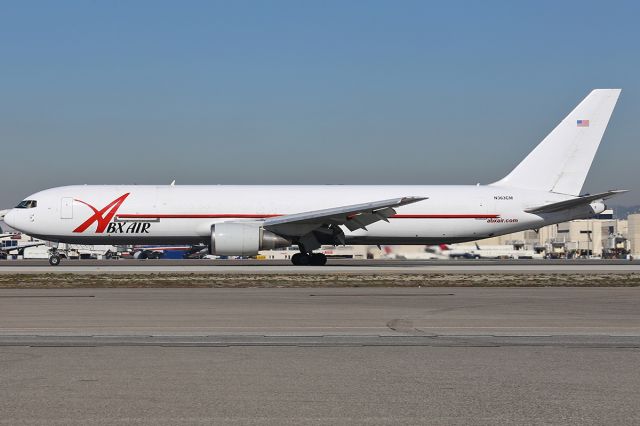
<point x="409" y="200"/>
<point x="574" y="202"/>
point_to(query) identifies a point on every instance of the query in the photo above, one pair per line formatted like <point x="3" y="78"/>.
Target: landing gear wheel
<point x="54" y="260"/>
<point x="315" y="259"/>
<point x="318" y="259"/>
<point x="300" y="259"/>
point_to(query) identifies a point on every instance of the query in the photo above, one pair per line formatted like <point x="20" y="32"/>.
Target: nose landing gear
<point x="54" y="257"/>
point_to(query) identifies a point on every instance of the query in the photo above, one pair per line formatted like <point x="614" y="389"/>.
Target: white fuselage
<point x="185" y="214"/>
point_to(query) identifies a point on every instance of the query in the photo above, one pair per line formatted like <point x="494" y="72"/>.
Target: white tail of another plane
<point x="560" y="162"/>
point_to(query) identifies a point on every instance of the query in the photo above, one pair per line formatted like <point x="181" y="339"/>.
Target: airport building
<point x="603" y="236"/>
<point x="633" y="225"/>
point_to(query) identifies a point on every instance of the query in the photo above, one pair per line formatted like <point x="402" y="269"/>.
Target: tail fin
<point x="560" y="162"/>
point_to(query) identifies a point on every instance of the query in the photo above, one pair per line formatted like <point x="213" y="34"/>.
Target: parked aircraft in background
<point x="462" y="251"/>
<point x="241" y="220"/>
<point x="428" y="253"/>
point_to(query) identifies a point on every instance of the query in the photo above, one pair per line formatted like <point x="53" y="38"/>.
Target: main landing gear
<point x="54" y="257"/>
<point x="313" y="259"/>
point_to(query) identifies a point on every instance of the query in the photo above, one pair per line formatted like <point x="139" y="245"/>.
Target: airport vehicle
<point x="488" y="252"/>
<point x="241" y="220"/>
<point x="167" y="252"/>
<point x="13" y="246"/>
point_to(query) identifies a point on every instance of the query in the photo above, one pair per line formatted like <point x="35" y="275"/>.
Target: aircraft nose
<point x="9" y="217"/>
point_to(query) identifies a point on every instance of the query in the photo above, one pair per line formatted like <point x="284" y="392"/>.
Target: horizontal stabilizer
<point x="574" y="202"/>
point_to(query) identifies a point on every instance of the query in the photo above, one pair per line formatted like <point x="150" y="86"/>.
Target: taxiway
<point x="334" y="266"/>
<point x="320" y="356"/>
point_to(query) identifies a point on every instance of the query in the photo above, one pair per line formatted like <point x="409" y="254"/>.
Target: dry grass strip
<point x="195" y="280"/>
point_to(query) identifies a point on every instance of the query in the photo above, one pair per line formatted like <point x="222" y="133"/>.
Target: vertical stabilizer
<point x="560" y="162"/>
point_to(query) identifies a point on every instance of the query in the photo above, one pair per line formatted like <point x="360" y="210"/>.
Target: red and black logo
<point x="104" y="216"/>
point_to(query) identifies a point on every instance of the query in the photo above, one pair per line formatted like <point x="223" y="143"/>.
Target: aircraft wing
<point x="356" y="216"/>
<point x="574" y="202"/>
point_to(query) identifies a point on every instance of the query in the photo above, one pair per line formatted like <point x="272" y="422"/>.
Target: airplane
<point x="231" y="220"/>
<point x="429" y="253"/>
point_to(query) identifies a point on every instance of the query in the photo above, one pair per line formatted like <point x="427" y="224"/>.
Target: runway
<point x="333" y="266"/>
<point x="320" y="356"/>
<point x="321" y="311"/>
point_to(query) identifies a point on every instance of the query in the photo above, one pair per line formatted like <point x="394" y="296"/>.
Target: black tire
<point x="301" y="259"/>
<point x="54" y="260"/>
<point x="318" y="259"/>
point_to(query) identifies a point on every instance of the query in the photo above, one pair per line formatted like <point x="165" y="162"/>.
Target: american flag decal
<point x="583" y="123"/>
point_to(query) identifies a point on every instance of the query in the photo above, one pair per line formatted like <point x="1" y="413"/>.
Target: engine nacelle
<point x="243" y="239"/>
<point x="598" y="207"/>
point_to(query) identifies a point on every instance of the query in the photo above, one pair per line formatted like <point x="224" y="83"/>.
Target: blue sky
<point x="410" y="92"/>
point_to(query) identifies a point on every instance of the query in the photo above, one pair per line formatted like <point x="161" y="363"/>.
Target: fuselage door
<point x="66" y="208"/>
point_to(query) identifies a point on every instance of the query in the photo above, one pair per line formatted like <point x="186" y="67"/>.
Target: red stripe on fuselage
<point x="445" y="216"/>
<point x="265" y="216"/>
<point x="196" y="216"/>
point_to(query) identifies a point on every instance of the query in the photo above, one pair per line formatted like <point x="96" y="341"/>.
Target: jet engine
<point x="243" y="239"/>
<point x="598" y="206"/>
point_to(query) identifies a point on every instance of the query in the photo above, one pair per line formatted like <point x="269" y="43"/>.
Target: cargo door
<point x="66" y="208"/>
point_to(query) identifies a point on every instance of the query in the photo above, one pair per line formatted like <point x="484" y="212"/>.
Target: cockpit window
<point x="27" y="204"/>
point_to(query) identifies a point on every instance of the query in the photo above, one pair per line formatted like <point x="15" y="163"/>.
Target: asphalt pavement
<point x="333" y="266"/>
<point x="320" y="356"/>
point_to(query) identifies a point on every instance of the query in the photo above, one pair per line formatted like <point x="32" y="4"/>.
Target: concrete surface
<point x="320" y="356"/>
<point x="334" y="265"/>
<point x="309" y="385"/>
<point x="321" y="311"/>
